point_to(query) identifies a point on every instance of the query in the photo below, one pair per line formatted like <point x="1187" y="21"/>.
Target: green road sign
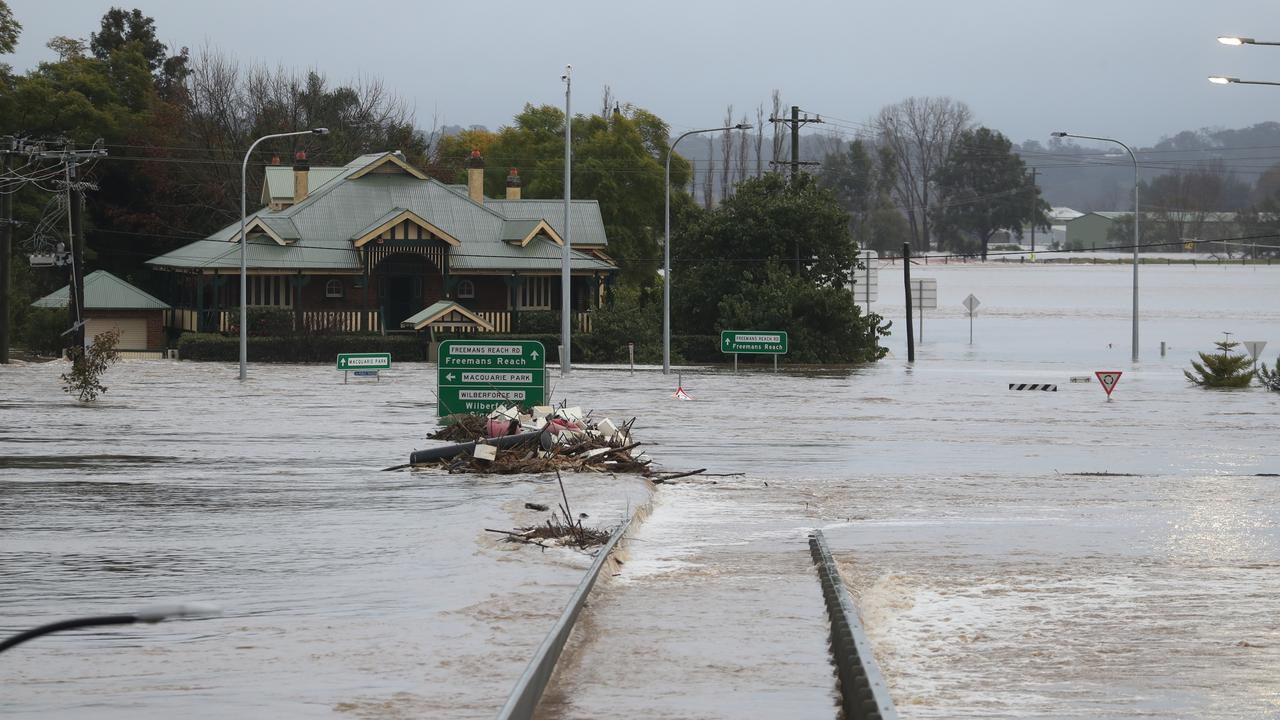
<point x="475" y="376"/>
<point x="364" y="361"/>
<point x="753" y="342"/>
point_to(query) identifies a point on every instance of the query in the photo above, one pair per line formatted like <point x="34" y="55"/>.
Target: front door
<point x="402" y="299"/>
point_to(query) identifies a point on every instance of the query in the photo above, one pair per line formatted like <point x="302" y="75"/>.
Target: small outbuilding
<point x="110" y="302"/>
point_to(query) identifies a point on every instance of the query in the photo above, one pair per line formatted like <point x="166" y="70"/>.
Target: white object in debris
<point x="607" y="428"/>
<point x="525" y="419"/>
<point x="539" y="423"/>
<point x="594" y="453"/>
<point x="485" y="452"/>
<point x="573" y="414"/>
<point x="543" y="410"/>
<point x="642" y="458"/>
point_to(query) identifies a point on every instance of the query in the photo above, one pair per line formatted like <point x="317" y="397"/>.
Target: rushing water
<point x="999" y="573"/>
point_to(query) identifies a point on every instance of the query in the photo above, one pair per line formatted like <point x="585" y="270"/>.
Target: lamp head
<point x="742" y="126"/>
<point x="568" y="70"/>
<point x="1219" y="80"/>
<point x="320" y="131"/>
<point x="1058" y="134"/>
<point x="1233" y="40"/>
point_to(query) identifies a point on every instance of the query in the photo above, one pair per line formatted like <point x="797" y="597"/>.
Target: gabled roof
<point x="321" y="232"/>
<point x="395" y="217"/>
<point x="104" y="291"/>
<point x="445" y="313"/>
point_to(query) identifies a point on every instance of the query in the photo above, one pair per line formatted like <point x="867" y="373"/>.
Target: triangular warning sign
<point x="681" y="394"/>
<point x="1108" y="378"/>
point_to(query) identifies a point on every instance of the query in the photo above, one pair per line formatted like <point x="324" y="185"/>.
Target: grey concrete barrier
<point x="863" y="690"/>
<point x="523" y="700"/>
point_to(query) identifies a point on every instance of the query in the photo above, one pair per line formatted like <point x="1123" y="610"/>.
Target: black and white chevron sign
<point x="1033" y="386"/>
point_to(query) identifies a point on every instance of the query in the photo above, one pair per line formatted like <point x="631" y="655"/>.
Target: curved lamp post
<point x="666" y="246"/>
<point x="147" y="615"/>
<point x="244" y="169"/>
<point x="1136" y="218"/>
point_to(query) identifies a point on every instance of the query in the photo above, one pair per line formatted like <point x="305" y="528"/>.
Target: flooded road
<point x="1014" y="554"/>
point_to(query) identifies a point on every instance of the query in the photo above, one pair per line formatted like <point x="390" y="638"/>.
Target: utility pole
<point x="795" y="121"/>
<point x="6" y="250"/>
<point x="76" y="296"/>
<point x="906" y="280"/>
<point x="1034" y="206"/>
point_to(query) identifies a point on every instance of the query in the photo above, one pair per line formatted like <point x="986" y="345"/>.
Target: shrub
<point x="42" y="331"/>
<point x="319" y="348"/>
<point x="539" y="322"/>
<point x="87" y="366"/>
<point x="1270" y="379"/>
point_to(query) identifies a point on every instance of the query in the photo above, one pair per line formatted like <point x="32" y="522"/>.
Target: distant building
<point x="1168" y="230"/>
<point x="372" y="244"/>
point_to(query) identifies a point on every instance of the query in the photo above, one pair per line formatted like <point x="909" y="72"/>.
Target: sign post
<point x="754" y="342"/>
<point x="1108" y="378"/>
<point x="476" y="376"/>
<point x="924" y="296"/>
<point x="971" y="304"/>
<point x="1255" y="349"/>
<point x="363" y="364"/>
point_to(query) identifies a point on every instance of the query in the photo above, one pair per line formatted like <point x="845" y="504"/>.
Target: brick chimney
<point x="301" y="177"/>
<point x="475" y="176"/>
<point x="513" y="185"/>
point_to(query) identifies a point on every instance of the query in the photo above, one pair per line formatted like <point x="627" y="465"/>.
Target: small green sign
<point x="753" y="342"/>
<point x="476" y="376"/>
<point x="364" y="361"/>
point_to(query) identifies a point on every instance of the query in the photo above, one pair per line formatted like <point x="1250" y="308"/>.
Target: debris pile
<point x="557" y="531"/>
<point x="545" y="439"/>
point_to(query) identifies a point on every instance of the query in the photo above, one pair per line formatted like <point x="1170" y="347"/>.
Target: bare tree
<point x="779" y="140"/>
<point x="920" y="132"/>
<point x="607" y="102"/>
<point x="726" y="155"/>
<point x="759" y="140"/>
<point x="744" y="154"/>
<point x="709" y="177"/>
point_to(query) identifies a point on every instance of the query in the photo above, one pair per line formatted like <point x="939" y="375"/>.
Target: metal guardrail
<point x="864" y="692"/>
<point x="523" y="700"/>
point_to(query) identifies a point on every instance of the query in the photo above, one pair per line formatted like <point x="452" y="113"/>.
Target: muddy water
<point x="996" y="579"/>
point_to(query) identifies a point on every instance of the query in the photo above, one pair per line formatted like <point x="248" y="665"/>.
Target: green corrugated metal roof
<point x="104" y="291"/>
<point x="517" y="230"/>
<point x="443" y="308"/>
<point x="320" y="227"/>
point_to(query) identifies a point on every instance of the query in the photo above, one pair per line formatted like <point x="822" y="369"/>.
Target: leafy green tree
<point x="84" y="380"/>
<point x="10" y="29"/>
<point x="1222" y="369"/>
<point x="736" y="267"/>
<point x="618" y="160"/>
<point x="984" y="188"/>
<point x="863" y="180"/>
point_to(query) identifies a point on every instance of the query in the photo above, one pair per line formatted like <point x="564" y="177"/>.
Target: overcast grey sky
<point x="1132" y="69"/>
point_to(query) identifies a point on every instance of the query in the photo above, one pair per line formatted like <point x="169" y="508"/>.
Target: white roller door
<point x="133" y="331"/>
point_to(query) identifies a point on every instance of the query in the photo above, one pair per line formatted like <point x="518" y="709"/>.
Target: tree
<point x="863" y="183"/>
<point x="1270" y="379"/>
<point x="983" y="187"/>
<point x="921" y="133"/>
<point x="618" y="160"/>
<point x="10" y="29"/>
<point x="1222" y="369"/>
<point x="736" y="266"/>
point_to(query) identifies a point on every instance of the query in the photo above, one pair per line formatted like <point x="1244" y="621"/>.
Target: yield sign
<point x="1255" y="347"/>
<point x="1108" y="378"/>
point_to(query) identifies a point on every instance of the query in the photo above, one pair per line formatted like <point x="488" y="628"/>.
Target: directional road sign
<point x="753" y="342"/>
<point x="476" y="376"/>
<point x="364" y="361"/>
<point x="866" y="281"/>
<point x="1108" y="378"/>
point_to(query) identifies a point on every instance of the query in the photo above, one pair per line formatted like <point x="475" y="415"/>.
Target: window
<point x="333" y="289"/>
<point x="270" y="290"/>
<point x="465" y="289"/>
<point x="535" y="293"/>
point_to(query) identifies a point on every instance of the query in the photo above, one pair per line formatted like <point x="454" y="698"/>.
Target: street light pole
<point x="666" y="246"/>
<point x="1220" y="80"/>
<point x="566" y="279"/>
<point x="244" y="173"/>
<point x="1136" y="221"/>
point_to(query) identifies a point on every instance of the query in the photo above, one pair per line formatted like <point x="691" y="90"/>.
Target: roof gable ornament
<point x="392" y="162"/>
<point x="257" y="225"/>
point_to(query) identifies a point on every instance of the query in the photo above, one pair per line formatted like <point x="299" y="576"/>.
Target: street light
<point x="1234" y="40"/>
<point x="146" y="615"/>
<point x="1220" y="80"/>
<point x="1136" y="218"/>
<point x="244" y="295"/>
<point x="666" y="246"/>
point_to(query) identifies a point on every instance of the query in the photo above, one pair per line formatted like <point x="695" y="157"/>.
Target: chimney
<point x="475" y="176"/>
<point x="513" y="185"/>
<point x="301" y="174"/>
<point x="275" y="159"/>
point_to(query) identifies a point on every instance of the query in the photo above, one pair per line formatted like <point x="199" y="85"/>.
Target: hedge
<point x="300" y="348"/>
